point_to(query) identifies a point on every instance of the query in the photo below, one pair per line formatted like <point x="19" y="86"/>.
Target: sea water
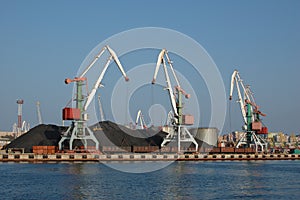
<point x="179" y="180"/>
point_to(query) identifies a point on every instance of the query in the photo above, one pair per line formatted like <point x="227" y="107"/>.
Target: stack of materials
<point x="41" y="135"/>
<point x="107" y="133"/>
<point x="121" y="136"/>
<point x="111" y="136"/>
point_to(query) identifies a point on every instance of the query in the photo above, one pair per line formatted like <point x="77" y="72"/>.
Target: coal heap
<point x="41" y="135"/>
<point x="118" y="135"/>
<point x="107" y="133"/>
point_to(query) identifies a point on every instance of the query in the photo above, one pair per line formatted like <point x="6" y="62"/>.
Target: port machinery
<point x="179" y="121"/>
<point x="78" y="115"/>
<point x="38" y="110"/>
<point x="251" y="115"/>
<point x="140" y="121"/>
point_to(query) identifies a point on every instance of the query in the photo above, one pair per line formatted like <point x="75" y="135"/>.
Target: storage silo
<point x="207" y="135"/>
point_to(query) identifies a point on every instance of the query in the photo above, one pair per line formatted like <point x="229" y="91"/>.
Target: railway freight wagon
<point x="170" y="149"/>
<point x="142" y="149"/>
<point x="228" y="150"/>
<point x="145" y="149"/>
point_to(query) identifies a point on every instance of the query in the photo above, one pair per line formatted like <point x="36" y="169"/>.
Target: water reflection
<point x="179" y="180"/>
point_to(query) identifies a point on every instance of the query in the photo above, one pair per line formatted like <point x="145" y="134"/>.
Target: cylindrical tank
<point x="207" y="135"/>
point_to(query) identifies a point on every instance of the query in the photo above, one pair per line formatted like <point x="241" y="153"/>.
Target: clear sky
<point x="43" y="42"/>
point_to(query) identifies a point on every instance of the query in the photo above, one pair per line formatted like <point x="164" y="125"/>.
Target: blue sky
<point x="44" y="42"/>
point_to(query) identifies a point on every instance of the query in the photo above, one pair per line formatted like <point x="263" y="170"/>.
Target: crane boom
<point x="161" y="60"/>
<point x="101" y="109"/>
<point x="116" y="59"/>
<point x="96" y="85"/>
<point x="233" y="80"/>
<point x="169" y="88"/>
<point x="93" y="61"/>
<point x="113" y="56"/>
<point x="241" y="100"/>
<point x="39" y="112"/>
<point x="236" y="80"/>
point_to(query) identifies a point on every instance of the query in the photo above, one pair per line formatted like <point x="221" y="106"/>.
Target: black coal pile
<point x="41" y="135"/>
<point x="107" y="133"/>
<point x="118" y="135"/>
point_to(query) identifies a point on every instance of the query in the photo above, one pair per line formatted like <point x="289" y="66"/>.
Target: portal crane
<point x="250" y="113"/>
<point x="25" y="127"/>
<point x="78" y="115"/>
<point x="140" y="120"/>
<point x="38" y="110"/>
<point x="179" y="130"/>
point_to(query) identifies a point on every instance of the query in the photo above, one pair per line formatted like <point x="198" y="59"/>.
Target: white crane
<point x="101" y="109"/>
<point x="39" y="115"/>
<point x="170" y="119"/>
<point x="77" y="130"/>
<point x="25" y="127"/>
<point x="250" y="113"/>
<point x="140" y="120"/>
<point x="180" y="131"/>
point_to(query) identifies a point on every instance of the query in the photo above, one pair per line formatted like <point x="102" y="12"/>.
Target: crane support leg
<point x="77" y="134"/>
<point x="257" y="141"/>
<point x="182" y="135"/>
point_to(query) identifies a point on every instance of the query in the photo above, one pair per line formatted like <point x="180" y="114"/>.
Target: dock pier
<point x="96" y="157"/>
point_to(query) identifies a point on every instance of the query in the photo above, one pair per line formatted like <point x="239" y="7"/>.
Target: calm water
<point x="180" y="180"/>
